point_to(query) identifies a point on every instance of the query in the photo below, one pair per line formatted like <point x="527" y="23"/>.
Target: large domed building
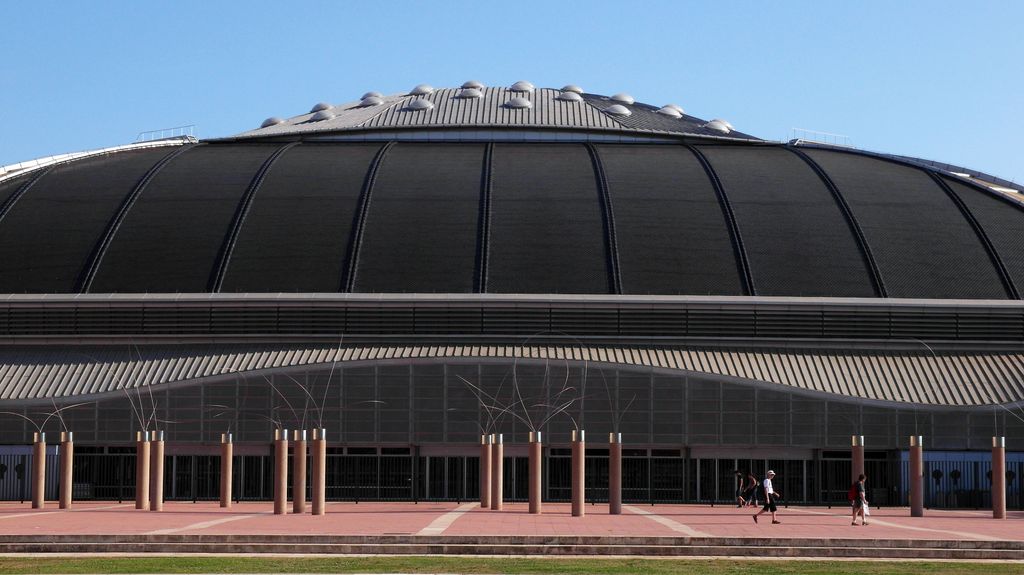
<point x="410" y="271"/>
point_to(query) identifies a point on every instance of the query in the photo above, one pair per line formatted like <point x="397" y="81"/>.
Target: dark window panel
<point x="47" y="237"/>
<point x="922" y="244"/>
<point x="297" y="232"/>
<point x="672" y="236"/>
<point x="547" y="232"/>
<point x="1003" y="224"/>
<point x="421" y="228"/>
<point x="170" y="240"/>
<point x="797" y="241"/>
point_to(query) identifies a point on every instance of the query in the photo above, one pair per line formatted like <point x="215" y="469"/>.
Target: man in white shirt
<point x="770" y="496"/>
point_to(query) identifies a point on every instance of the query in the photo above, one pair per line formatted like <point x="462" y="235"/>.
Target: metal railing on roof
<point x="167" y="133"/>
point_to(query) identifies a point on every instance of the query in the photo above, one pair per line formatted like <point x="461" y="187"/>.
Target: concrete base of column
<point x="534" y="472"/>
<point x="39" y="471"/>
<point x="280" y="471"/>
<point x="67" y="465"/>
<point x="299" y="472"/>
<point x="916" y="476"/>
<point x="578" y="472"/>
<point x="142" y="456"/>
<point x="319" y="471"/>
<point x="497" y="472"/>
<point x="156" y="473"/>
<point x="227" y="453"/>
<point x="485" y="471"/>
<point x="615" y="474"/>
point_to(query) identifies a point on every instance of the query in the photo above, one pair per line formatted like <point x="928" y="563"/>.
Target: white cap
<point x="770" y="472"/>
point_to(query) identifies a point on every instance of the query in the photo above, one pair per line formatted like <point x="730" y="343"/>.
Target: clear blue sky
<point x="941" y="80"/>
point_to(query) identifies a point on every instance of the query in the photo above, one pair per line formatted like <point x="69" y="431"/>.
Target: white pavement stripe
<point x="882" y="523"/>
<point x="203" y="524"/>
<point x="439" y="525"/>
<point x="72" y="510"/>
<point x="670" y="523"/>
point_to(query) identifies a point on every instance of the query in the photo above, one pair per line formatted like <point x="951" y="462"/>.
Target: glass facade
<point x="406" y="431"/>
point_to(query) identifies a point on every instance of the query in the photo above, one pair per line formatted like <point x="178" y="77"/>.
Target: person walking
<point x="738" y="475"/>
<point x="770" y="498"/>
<point x="859" y="501"/>
<point x="750" y="491"/>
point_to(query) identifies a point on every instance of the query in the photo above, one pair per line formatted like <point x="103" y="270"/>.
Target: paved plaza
<point x="468" y="519"/>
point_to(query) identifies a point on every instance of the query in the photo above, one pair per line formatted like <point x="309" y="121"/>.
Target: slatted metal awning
<point x="42" y="372"/>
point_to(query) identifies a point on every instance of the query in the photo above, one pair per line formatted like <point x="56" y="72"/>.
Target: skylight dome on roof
<point x="420" y="104"/>
<point x="271" y="121"/>
<point x="521" y="86"/>
<point x="624" y="98"/>
<point x="372" y="95"/>
<point x="469" y="93"/>
<point x="569" y="97"/>
<point x="518" y="103"/>
<point x="675" y="107"/>
<point x="572" y="88"/>
<point x="473" y="84"/>
<point x="718" y="126"/>
<point x="618" y="110"/>
<point x="371" y="101"/>
<point x="422" y="90"/>
<point x="321" y="116"/>
<point x="321" y="106"/>
<point x="670" y="112"/>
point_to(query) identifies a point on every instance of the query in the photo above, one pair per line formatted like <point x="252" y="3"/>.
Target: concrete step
<point x="660" y="547"/>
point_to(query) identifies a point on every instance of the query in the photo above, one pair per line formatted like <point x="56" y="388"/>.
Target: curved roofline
<point x="12" y="171"/>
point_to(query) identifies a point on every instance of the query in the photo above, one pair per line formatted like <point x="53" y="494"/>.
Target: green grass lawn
<point x="333" y="564"/>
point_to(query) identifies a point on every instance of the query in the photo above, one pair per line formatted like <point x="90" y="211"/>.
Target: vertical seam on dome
<point x="993" y="255"/>
<point x="607" y="212"/>
<point x="851" y="220"/>
<point x="220" y="270"/>
<point x="22" y="190"/>
<point x="356" y="237"/>
<point x="99" y="251"/>
<point x="730" y="219"/>
<point x="484" y="225"/>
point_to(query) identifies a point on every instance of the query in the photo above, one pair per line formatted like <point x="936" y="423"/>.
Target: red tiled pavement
<point x="409" y="518"/>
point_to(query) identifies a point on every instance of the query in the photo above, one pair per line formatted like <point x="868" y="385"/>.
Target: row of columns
<point x="492" y="457"/>
<point x="318" y="452"/>
<point x="917" y="473"/>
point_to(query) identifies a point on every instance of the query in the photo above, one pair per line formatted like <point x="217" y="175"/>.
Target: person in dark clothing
<point x="739" y="487"/>
<point x="860" y="501"/>
<point x="750" y="491"/>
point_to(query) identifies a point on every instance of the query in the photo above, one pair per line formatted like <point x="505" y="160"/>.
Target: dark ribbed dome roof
<point x="470" y="195"/>
<point x="634" y="218"/>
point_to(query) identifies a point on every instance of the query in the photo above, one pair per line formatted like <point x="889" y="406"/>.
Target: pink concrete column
<point x="578" y="471"/>
<point x="280" y="471"/>
<point x="857" y="457"/>
<point x="156" y="472"/>
<point x="916" y="476"/>
<point x="999" y="478"/>
<point x="67" y="466"/>
<point x="226" y="469"/>
<point x="319" y="471"/>
<point x="299" y="471"/>
<point x="535" y="482"/>
<point x="142" y="470"/>
<point x="38" y="470"/>
<point x="615" y="474"/>
<point x="497" y="471"/>
<point x="485" y="471"/>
